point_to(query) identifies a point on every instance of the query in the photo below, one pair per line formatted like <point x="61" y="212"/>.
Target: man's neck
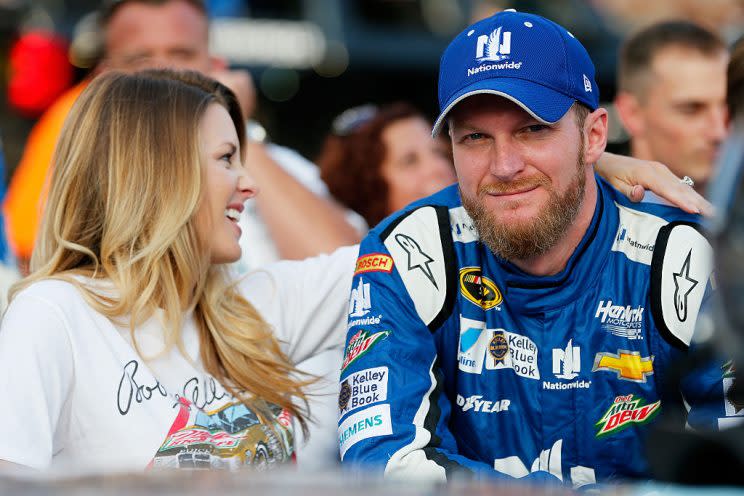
<point x="555" y="259"/>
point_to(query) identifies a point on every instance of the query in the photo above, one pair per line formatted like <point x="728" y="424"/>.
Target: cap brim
<point x="544" y="104"/>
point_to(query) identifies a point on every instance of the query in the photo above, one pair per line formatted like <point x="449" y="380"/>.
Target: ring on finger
<point x="688" y="181"/>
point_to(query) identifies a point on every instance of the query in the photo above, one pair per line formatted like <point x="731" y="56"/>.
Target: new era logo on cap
<point x="523" y="57"/>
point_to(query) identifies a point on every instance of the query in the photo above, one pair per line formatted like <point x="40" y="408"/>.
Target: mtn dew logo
<point x="625" y="412"/>
<point x="360" y="343"/>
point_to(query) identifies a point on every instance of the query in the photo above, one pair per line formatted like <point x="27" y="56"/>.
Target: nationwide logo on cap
<point x="493" y="48"/>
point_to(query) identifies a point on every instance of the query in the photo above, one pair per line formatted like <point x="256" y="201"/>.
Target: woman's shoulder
<point x="290" y="275"/>
<point x="49" y="288"/>
<point x="55" y="292"/>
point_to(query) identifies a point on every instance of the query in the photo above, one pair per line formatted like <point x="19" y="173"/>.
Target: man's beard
<point x="531" y="237"/>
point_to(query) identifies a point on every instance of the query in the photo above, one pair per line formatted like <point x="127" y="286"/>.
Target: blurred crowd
<point x="338" y="138"/>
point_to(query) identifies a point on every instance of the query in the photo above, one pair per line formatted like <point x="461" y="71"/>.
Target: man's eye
<point x="473" y="137"/>
<point x="690" y="108"/>
<point x="536" y="128"/>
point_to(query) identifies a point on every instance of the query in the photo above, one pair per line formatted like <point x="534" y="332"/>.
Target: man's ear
<point x="595" y="135"/>
<point x="629" y="111"/>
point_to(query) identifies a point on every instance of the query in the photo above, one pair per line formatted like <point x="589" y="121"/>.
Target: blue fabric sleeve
<point x="394" y="410"/>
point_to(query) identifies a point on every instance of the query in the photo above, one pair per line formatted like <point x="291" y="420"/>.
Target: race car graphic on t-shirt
<point x="229" y="437"/>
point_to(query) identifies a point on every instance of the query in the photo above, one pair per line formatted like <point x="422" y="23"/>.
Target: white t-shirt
<point x="258" y="247"/>
<point x="77" y="396"/>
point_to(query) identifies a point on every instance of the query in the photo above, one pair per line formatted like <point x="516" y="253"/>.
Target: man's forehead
<point x="487" y="104"/>
<point x="687" y="74"/>
<point x="174" y="20"/>
<point x="668" y="57"/>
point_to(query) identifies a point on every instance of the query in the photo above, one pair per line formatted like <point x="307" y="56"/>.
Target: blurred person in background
<point x="139" y="34"/>
<point x="376" y="160"/>
<point x="705" y="457"/>
<point x="672" y="97"/>
<point x="131" y="345"/>
<point x="8" y="271"/>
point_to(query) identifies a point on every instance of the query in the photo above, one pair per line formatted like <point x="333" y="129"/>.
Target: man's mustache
<point x="510" y="187"/>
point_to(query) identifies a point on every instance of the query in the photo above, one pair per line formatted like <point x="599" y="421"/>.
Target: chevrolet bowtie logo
<point x="628" y="365"/>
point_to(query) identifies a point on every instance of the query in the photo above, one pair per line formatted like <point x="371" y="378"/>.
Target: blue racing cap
<point x="526" y="58"/>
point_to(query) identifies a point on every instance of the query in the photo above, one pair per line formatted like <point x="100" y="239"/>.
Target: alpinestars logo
<point x="417" y="259"/>
<point x="360" y="302"/>
<point x="625" y="412"/>
<point x="683" y="285"/>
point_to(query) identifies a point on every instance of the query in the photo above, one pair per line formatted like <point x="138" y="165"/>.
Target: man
<point x="672" y="97"/>
<point x="139" y="34"/>
<point x="519" y="324"/>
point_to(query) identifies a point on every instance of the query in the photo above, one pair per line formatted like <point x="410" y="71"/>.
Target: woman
<point x="128" y="346"/>
<point x="377" y="160"/>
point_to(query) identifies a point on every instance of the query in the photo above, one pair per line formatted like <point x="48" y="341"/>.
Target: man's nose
<point x="716" y="127"/>
<point x="506" y="161"/>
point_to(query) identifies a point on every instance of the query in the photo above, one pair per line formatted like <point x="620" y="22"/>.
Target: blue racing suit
<point x="456" y="360"/>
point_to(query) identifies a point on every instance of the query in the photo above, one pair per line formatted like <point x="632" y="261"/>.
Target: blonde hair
<point x="126" y="185"/>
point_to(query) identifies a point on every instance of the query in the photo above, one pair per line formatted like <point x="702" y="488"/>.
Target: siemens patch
<point x="371" y="422"/>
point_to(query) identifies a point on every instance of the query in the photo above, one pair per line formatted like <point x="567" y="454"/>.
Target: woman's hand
<point x="632" y="176"/>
